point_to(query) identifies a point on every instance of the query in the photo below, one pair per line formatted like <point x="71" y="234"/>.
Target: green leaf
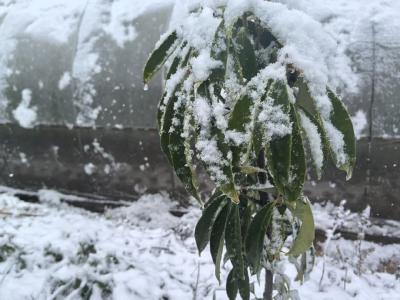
<point x="204" y="226"/>
<point x="168" y="115"/>
<point x="246" y="216"/>
<point x="257" y="134"/>
<point x="256" y="235"/>
<point x="238" y="120"/>
<point x="279" y="149"/>
<point x="306" y="234"/>
<point x="243" y="51"/>
<point x="251" y="170"/>
<point x="217" y="238"/>
<point x="176" y="63"/>
<point x="231" y="286"/>
<point x="266" y="37"/>
<point x="219" y="52"/>
<point x="159" y="56"/>
<point x="240" y="115"/>
<point x="298" y="160"/>
<point x="215" y="194"/>
<point x="216" y="79"/>
<point x="233" y="240"/>
<point x="178" y="146"/>
<point x="228" y="186"/>
<point x="322" y="135"/>
<point x="244" y="286"/>
<point x="304" y="98"/>
<point x="342" y="122"/>
<point x="166" y="123"/>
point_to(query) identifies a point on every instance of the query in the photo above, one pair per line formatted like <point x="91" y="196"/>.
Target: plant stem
<point x="268" y="288"/>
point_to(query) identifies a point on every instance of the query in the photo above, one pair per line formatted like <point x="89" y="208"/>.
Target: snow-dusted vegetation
<point x="243" y="86"/>
<point x="258" y="98"/>
<point x="53" y="251"/>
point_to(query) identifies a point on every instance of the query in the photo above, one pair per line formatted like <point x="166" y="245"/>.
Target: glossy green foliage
<point x="256" y="235"/>
<point x="159" y="56"/>
<point x="341" y="121"/>
<point x="205" y="224"/>
<point x="250" y="139"/>
<point x="305" y="236"/>
<point x="217" y="238"/>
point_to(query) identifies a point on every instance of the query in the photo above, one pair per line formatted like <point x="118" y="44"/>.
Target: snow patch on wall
<point x="24" y="113"/>
<point x="64" y="81"/>
<point x="360" y="123"/>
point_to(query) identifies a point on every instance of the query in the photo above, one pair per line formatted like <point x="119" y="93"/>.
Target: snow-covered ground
<point x="54" y="251"/>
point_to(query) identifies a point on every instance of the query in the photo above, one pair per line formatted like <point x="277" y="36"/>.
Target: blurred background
<point x="74" y="115"/>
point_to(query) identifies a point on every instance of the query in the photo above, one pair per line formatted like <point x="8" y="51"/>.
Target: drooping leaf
<point x="246" y="218"/>
<point x="259" y="31"/>
<point x="233" y="241"/>
<point x="219" y="52"/>
<point x="244" y="54"/>
<point x="240" y="115"/>
<point x="256" y="235"/>
<point x="204" y="226"/>
<point x="177" y="62"/>
<point x="341" y="121"/>
<point x="244" y="286"/>
<point x="215" y="194"/>
<point x="279" y="149"/>
<point x="166" y="123"/>
<point x="264" y="40"/>
<point x="217" y="238"/>
<point x="297" y="160"/>
<point x="306" y="234"/>
<point x="239" y="119"/>
<point x="227" y="186"/>
<point x="180" y="59"/>
<point x="251" y="170"/>
<point x="231" y="286"/>
<point x="160" y="55"/>
<point x="304" y="99"/>
<point x="179" y="142"/>
<point x="257" y="134"/>
<point x="321" y="135"/>
<point x="167" y="116"/>
<point x="172" y="70"/>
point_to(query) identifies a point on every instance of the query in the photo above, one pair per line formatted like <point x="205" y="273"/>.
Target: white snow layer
<point x="360" y="123"/>
<point x="306" y="45"/>
<point x="144" y="252"/>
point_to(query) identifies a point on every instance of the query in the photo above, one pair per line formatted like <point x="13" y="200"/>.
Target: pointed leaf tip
<point x="159" y="56"/>
<point x="204" y="225"/>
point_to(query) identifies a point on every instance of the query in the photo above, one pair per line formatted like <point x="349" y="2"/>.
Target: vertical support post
<point x="371" y="113"/>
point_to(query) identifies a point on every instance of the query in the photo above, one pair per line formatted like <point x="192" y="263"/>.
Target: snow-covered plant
<point x="363" y="222"/>
<point x="340" y="216"/>
<point x="236" y="102"/>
